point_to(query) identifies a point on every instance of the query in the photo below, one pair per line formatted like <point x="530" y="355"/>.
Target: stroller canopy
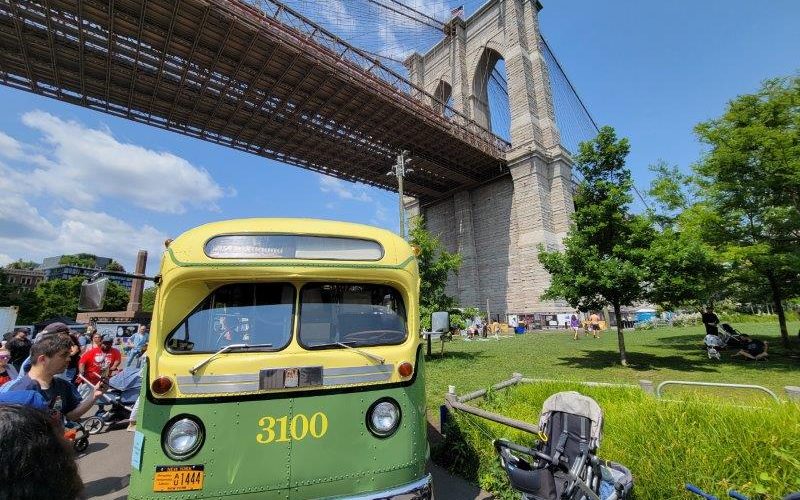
<point x="127" y="382"/>
<point x="576" y="404"/>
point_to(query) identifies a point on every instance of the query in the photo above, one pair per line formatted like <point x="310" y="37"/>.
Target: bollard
<point x="792" y="392"/>
<point x="647" y="387"/>
<point x="442" y="418"/>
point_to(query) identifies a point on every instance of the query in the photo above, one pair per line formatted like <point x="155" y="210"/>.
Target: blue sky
<point x="74" y="180"/>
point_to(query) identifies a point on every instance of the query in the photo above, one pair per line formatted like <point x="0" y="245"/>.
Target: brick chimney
<point x="135" y="302"/>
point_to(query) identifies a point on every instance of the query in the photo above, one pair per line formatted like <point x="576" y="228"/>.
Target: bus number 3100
<point x="283" y="430"/>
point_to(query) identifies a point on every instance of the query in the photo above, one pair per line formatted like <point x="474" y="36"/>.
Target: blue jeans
<point x="136" y="356"/>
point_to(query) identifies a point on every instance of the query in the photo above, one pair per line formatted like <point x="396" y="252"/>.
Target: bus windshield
<point x="351" y="314"/>
<point x="240" y="313"/>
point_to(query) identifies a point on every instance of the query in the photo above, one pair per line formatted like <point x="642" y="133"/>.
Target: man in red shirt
<point x="99" y="363"/>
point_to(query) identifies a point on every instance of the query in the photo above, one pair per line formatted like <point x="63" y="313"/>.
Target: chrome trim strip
<point x="355" y="370"/>
<point x="235" y="383"/>
<point x="217" y="388"/>
<point x="218" y="379"/>
<point x="421" y="489"/>
<point x="356" y="379"/>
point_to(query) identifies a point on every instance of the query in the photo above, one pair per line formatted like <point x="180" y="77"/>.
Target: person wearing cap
<point x="99" y="363"/>
<point x="50" y="356"/>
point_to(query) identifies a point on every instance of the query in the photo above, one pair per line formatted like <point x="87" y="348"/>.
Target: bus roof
<point x="190" y="247"/>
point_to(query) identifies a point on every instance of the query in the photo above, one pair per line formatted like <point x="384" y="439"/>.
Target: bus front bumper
<point x="421" y="489"/>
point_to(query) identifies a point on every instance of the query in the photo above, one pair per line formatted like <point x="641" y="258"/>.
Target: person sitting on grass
<point x="753" y="349"/>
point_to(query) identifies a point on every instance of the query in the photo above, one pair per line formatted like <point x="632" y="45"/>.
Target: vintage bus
<point x="284" y="362"/>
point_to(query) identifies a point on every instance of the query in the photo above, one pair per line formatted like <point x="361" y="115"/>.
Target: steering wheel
<point x="372" y="336"/>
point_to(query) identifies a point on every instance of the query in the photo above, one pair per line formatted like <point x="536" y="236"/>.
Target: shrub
<point x="665" y="443"/>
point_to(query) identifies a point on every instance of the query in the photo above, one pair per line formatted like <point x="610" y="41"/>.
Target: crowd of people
<point x="46" y="383"/>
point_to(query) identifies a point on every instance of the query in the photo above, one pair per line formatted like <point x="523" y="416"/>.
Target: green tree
<point x="149" y="299"/>
<point x="15" y="295"/>
<point x="115" y="266"/>
<point x="60" y="297"/>
<point x="117" y="297"/>
<point x="603" y="262"/>
<point x="23" y="264"/>
<point x="749" y="185"/>
<point x="79" y="259"/>
<point x="435" y="265"/>
<point x="682" y="269"/>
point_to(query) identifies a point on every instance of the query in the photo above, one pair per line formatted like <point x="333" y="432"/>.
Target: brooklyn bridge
<point x="262" y="77"/>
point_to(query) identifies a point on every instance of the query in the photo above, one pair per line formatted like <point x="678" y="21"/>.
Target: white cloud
<point x="10" y="147"/>
<point x="342" y="189"/>
<point x="5" y="260"/>
<point x="84" y="231"/>
<point x="102" y="234"/>
<point x="380" y="216"/>
<point x="77" y="156"/>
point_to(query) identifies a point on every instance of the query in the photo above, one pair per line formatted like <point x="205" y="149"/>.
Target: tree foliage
<point x="435" y="265"/>
<point x="604" y="257"/>
<point x="60" y="297"/>
<point x="681" y="269"/>
<point x="749" y="185"/>
<point x="115" y="266"/>
<point x="149" y="299"/>
<point x="15" y="295"/>
<point x="79" y="259"/>
<point x="23" y="265"/>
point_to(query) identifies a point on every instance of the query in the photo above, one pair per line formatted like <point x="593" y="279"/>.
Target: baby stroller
<point x="564" y="465"/>
<point x="74" y="432"/>
<point x="77" y="434"/>
<point x="732" y="337"/>
<point x="115" y="406"/>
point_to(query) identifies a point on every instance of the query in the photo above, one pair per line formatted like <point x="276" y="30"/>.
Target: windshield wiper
<point x="225" y="349"/>
<point x="371" y="356"/>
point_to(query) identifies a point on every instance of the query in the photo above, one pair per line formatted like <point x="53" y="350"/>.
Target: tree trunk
<point x="620" y="336"/>
<point x="777" y="300"/>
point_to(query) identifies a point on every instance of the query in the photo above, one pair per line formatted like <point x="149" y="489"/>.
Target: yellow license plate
<point x="178" y="477"/>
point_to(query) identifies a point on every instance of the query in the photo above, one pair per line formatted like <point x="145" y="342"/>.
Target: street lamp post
<point x="400" y="170"/>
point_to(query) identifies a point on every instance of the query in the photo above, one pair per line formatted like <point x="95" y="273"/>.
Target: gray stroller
<point x="564" y="465"/>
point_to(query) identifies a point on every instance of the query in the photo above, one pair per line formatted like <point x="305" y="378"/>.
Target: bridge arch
<point x="484" y="106"/>
<point x="443" y="95"/>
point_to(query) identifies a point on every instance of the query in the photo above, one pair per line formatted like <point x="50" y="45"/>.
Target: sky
<point x="76" y="180"/>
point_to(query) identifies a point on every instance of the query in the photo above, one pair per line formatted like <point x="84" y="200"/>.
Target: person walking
<point x="575" y="323"/>
<point x="594" y="324"/>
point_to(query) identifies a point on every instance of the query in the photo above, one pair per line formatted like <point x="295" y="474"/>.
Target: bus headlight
<point x="383" y="417"/>
<point x="182" y="438"/>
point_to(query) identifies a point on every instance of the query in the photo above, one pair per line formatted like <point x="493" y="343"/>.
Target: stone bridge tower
<point x="497" y="227"/>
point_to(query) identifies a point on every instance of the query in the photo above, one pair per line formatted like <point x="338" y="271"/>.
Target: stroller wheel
<point x="81" y="444"/>
<point x="93" y="425"/>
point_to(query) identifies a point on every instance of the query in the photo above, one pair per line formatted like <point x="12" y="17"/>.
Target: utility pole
<point x="400" y="170"/>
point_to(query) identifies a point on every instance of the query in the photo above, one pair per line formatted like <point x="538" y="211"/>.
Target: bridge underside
<point x="225" y="72"/>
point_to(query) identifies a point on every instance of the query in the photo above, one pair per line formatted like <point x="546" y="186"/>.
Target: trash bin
<point x="519" y="329"/>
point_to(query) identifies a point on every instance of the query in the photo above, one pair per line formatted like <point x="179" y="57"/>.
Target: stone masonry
<point x="498" y="227"/>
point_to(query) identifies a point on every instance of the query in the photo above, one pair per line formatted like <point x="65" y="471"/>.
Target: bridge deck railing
<point x="366" y="63"/>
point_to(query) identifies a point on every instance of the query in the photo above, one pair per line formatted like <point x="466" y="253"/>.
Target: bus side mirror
<point x="440" y="322"/>
<point x="93" y="294"/>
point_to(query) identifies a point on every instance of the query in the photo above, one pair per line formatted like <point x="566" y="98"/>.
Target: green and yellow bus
<point x="284" y="362"/>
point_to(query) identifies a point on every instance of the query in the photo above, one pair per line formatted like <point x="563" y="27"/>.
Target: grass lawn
<point x="656" y="355"/>
<point x="747" y="445"/>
